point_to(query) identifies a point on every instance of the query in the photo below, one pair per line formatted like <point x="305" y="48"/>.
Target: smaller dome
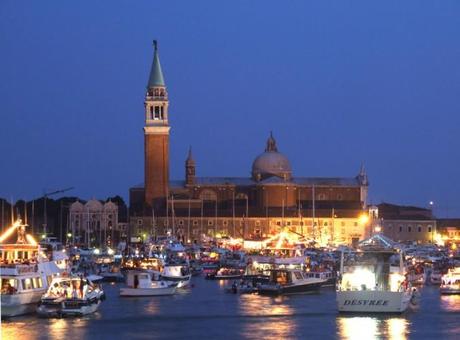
<point x="93" y="205"/>
<point x="271" y="163"/>
<point x="110" y="206"/>
<point x="76" y="206"/>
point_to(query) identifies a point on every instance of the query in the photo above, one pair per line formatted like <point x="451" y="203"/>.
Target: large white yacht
<point x="369" y="283"/>
<point x="25" y="272"/>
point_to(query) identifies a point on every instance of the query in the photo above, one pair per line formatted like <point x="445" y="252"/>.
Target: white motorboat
<point x="369" y="284"/>
<point x="290" y="281"/>
<point x="70" y="296"/>
<point x="436" y="277"/>
<point x="141" y="284"/>
<point x="450" y="282"/>
<point x="177" y="273"/>
<point x="111" y="273"/>
<point x="25" y="272"/>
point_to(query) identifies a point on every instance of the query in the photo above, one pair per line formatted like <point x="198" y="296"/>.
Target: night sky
<point x="340" y="83"/>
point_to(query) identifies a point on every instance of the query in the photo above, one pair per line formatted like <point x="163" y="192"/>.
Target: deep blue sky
<point x="339" y="83"/>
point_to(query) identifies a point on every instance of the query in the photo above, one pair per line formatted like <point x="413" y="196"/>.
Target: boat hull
<point x="20" y="304"/>
<point x="373" y="301"/>
<point x="449" y="290"/>
<point x="81" y="310"/>
<point x="147" y="291"/>
<point x="289" y="289"/>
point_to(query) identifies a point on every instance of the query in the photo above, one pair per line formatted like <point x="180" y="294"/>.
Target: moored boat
<point x="141" y="284"/>
<point x="179" y="273"/>
<point x="289" y="281"/>
<point x="70" y="296"/>
<point x="450" y="282"/>
<point x="370" y="284"/>
<point x="25" y="272"/>
<point x="226" y="274"/>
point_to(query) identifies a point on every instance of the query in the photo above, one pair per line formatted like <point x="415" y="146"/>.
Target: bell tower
<point x="190" y="168"/>
<point x="156" y="137"/>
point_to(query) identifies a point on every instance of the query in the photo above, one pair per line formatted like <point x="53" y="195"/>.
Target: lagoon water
<point x="205" y="311"/>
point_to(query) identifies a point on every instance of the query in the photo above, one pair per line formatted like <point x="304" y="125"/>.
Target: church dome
<point x="271" y="163"/>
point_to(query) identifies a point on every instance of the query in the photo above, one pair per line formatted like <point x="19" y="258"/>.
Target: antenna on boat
<point x="12" y="211"/>
<point x="25" y="212"/>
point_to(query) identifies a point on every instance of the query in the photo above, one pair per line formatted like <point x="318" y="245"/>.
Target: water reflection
<point x="354" y="328"/>
<point x="266" y="317"/>
<point x="54" y="329"/>
<point x="397" y="328"/>
<point x="450" y="302"/>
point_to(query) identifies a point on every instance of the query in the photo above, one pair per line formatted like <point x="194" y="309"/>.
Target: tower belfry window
<point x="151" y="112"/>
<point x="157" y="112"/>
<point x="162" y="112"/>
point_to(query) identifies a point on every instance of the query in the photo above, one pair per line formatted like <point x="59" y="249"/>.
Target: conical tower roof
<point x="156" y="74"/>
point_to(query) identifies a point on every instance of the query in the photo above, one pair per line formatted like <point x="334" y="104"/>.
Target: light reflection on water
<point x="55" y="329"/>
<point x="271" y="317"/>
<point x="450" y="302"/>
<point x="357" y="328"/>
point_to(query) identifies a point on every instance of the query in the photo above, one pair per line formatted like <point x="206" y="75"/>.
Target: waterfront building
<point x="405" y="223"/>
<point x="449" y="229"/>
<point x="94" y="223"/>
<point x="271" y="199"/>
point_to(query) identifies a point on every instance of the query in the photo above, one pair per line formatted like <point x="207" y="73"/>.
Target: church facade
<point x="329" y="210"/>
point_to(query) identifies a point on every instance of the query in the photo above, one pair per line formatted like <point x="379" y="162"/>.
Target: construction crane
<point x="45" y="196"/>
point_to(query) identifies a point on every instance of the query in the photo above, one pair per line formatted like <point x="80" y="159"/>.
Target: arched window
<point x="322" y="197"/>
<point x="151" y="112"/>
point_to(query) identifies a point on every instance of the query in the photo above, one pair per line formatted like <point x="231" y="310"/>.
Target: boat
<point x="289" y="281"/>
<point x="111" y="273"/>
<point x="25" y="272"/>
<point x="179" y="273"/>
<point x="328" y="276"/>
<point x="436" y="277"/>
<point x="226" y="274"/>
<point x="241" y="287"/>
<point x="368" y="282"/>
<point x="450" y="282"/>
<point x="141" y="284"/>
<point x="68" y="296"/>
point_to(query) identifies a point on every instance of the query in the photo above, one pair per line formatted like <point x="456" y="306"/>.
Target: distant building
<point x="449" y="228"/>
<point x="406" y="223"/>
<point x="327" y="209"/>
<point x="94" y="223"/>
